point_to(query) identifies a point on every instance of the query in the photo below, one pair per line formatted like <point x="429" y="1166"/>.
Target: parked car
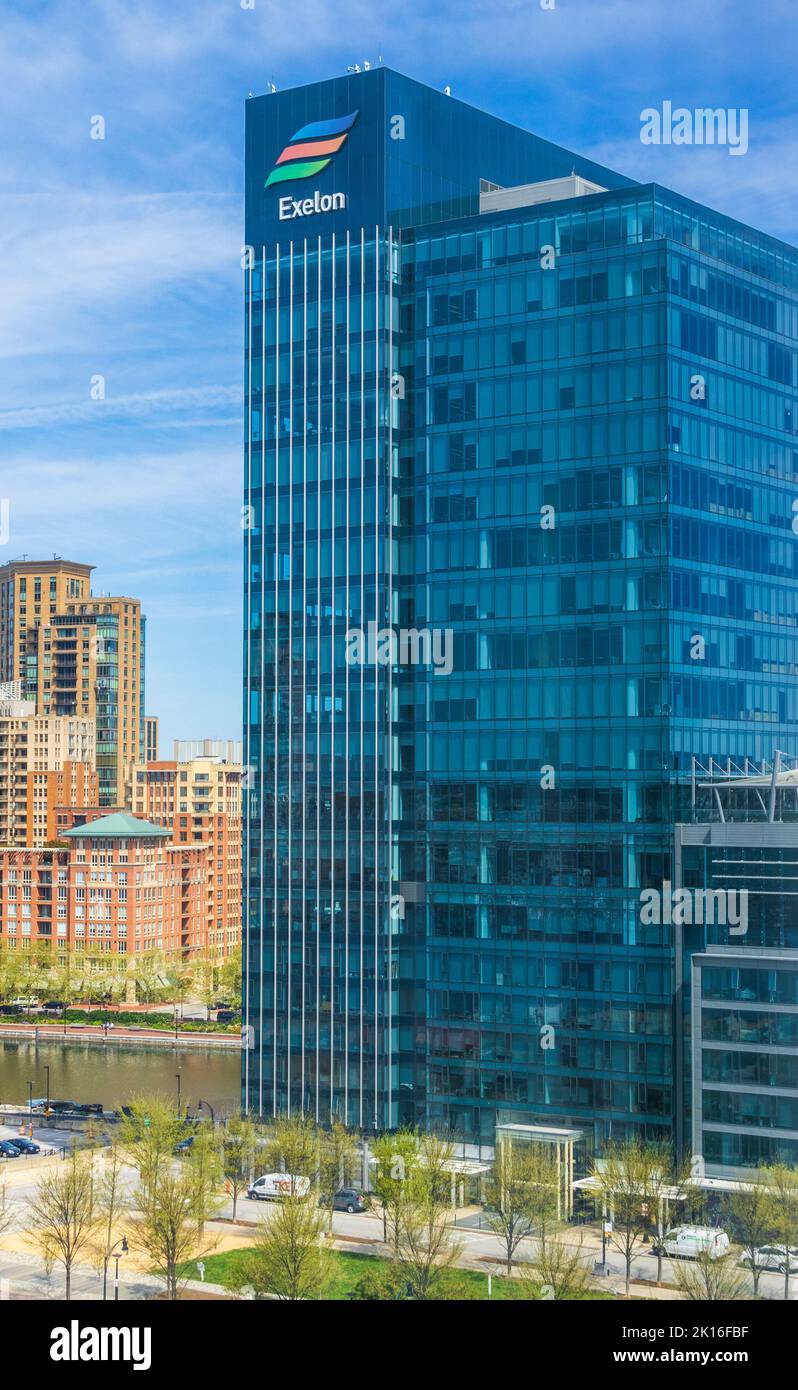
<point x="10" y="1009"/>
<point x="26" y="1146"/>
<point x="53" y="1006"/>
<point x="274" y="1186"/>
<point x="688" y="1242"/>
<point x="9" y="1149"/>
<point x="184" y="1145"/>
<point x="349" y="1199"/>
<point x="772" y="1257"/>
<point x="25" y="1003"/>
<point x="225" y="1015"/>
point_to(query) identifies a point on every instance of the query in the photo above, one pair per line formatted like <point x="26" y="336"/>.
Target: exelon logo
<point x="305" y="207"/>
<point x="311" y="149"/>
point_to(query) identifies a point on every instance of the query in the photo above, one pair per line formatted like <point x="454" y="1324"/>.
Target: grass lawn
<point x="349" y="1269"/>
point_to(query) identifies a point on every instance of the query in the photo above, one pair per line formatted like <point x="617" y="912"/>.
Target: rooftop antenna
<point x="353" y="67"/>
<point x="447" y="91"/>
<point x="272" y="85"/>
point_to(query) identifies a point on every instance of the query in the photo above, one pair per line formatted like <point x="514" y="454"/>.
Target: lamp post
<point x="177" y="1079"/>
<point x="206" y="1105"/>
<point x="116" y="1255"/>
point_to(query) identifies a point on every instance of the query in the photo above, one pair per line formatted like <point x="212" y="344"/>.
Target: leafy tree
<point x="751" y="1212"/>
<point x="337" y="1153"/>
<point x="291" y="1145"/>
<point x="230" y="976"/>
<point x="397" y="1156"/>
<point x="289" y="1260"/>
<point x="782" y="1184"/>
<point x="626" y="1179"/>
<point x="63" y="1214"/>
<point x="705" y="1279"/>
<point x="172" y="1208"/>
<point x="521" y="1194"/>
<point x="426" y="1247"/>
<point x="148" y="1136"/>
<point x="239" y="1152"/>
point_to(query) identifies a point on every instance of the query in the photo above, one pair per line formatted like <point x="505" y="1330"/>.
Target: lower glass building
<point x="521" y="455"/>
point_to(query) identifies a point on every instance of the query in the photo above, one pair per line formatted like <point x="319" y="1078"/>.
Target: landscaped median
<point x="366" y="1277"/>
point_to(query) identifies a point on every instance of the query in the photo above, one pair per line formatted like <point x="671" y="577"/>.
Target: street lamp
<point x="205" y="1104"/>
<point x="177" y="1079"/>
<point x="115" y="1254"/>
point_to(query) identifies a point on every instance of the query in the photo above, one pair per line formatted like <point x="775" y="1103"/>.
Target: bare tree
<point x="64" y="1217"/>
<point x="112" y="1200"/>
<point x="558" y="1271"/>
<point x="708" y="1279"/>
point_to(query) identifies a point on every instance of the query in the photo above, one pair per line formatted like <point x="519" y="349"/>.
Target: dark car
<point x="11" y="1009"/>
<point x="349" y="1199"/>
<point x="59" y="1106"/>
<point x="8" y="1149"/>
<point x="53" y="1006"/>
<point x="26" y="1146"/>
<point x="184" y="1145"/>
<point x="88" y="1108"/>
<point x="225" y="1015"/>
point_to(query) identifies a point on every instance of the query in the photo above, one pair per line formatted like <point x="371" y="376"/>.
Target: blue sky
<point x="120" y="257"/>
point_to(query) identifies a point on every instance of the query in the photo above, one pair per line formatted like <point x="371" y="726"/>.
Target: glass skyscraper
<point x="521" y="455"/>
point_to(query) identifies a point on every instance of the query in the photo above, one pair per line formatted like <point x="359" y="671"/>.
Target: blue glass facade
<point x="564" y="436"/>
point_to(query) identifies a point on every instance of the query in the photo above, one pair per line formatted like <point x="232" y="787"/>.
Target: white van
<point x="273" y="1186"/>
<point x="688" y="1242"/>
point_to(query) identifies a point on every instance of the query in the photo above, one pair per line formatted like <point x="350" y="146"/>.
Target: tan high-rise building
<point x="150" y="738"/>
<point x="77" y="653"/>
<point x="74" y="786"/>
<point x="200" y="802"/>
<point x="32" y="745"/>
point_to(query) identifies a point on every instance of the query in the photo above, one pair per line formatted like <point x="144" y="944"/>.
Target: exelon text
<point x="320" y="202"/>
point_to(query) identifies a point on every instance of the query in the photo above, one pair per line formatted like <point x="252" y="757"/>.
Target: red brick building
<point x="121" y="887"/>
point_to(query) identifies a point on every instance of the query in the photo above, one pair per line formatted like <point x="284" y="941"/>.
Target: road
<point x="481" y="1249"/>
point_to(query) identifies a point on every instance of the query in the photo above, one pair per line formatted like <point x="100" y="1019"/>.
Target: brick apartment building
<point x="119" y="885"/>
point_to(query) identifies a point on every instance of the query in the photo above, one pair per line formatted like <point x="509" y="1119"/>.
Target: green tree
<point x="172" y="1209"/>
<point x="751" y="1215"/>
<point x="397" y="1156"/>
<point x="289" y="1260"/>
<point x="239" y="1153"/>
<point x="63" y="1217"/>
<point x="291" y="1146"/>
<point x="230" y="976"/>
<point x="148" y="1136"/>
<point x="782" y="1184"/>
<point x="336" y="1155"/>
<point x="625" y="1180"/>
<point x="521" y="1194"/>
<point x="426" y="1247"/>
